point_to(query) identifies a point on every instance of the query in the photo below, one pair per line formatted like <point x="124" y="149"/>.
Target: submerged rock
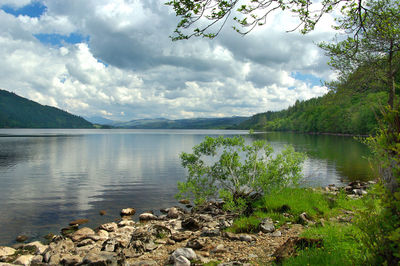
<point x="128" y="212"/>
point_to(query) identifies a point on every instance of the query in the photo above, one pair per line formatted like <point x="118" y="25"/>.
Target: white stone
<point x="109" y="227"/>
<point x="147" y="217"/>
<point x="103" y="235"/>
<point x="6" y="251"/>
<point x="185" y="252"/>
<point x="24" y="260"/>
<point x="181" y="261"/>
<point x="128" y="212"/>
<point x="126" y="222"/>
<point x="82" y="233"/>
<point x="39" y="246"/>
<point x="173" y="213"/>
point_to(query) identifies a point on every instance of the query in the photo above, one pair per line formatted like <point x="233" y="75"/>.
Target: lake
<point x="49" y="177"/>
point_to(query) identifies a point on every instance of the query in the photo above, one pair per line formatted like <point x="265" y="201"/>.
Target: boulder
<point x="173" y="213"/>
<point x="6" y="251"/>
<point x="188" y="253"/>
<point x="24" y="260"/>
<point x="100" y="258"/>
<point x="126" y="222"/>
<point x="196" y="243"/>
<point x="38" y="259"/>
<point x="191" y="224"/>
<point x="246" y="238"/>
<point x="21" y="238"/>
<point x="39" y="247"/>
<point x="69" y="259"/>
<point x="147" y="217"/>
<point x="128" y="212"/>
<point x="181" y="261"/>
<point x="267" y="226"/>
<point x="109" y="227"/>
<point x="81" y="234"/>
<point x="103" y="235"/>
<point x="276" y="234"/>
<point x="135" y="262"/>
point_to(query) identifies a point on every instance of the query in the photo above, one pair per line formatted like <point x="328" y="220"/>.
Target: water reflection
<point x="50" y="177"/>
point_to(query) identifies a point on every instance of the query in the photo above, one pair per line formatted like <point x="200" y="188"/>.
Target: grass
<point x="340" y="247"/>
<point x="340" y="240"/>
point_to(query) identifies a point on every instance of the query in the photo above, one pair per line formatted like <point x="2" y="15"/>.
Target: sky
<point x="114" y="58"/>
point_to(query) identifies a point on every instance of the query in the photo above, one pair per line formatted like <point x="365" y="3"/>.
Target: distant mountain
<point x="100" y="120"/>
<point x="19" y="112"/>
<point x="194" y="123"/>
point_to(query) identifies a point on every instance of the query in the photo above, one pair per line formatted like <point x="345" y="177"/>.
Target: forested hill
<point x="19" y="112"/>
<point x="347" y="112"/>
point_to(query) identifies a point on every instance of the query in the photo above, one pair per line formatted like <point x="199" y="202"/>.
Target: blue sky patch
<point x="60" y="40"/>
<point x="308" y="78"/>
<point x="34" y="9"/>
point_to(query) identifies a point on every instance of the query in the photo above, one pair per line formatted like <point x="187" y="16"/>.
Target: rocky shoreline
<point x="177" y="237"/>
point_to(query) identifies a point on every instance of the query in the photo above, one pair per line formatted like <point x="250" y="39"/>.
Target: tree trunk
<point x="390" y="80"/>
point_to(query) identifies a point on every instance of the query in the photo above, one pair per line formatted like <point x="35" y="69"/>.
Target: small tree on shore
<point x="229" y="169"/>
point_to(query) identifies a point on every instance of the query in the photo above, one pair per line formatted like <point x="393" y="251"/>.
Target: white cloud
<point x="130" y="68"/>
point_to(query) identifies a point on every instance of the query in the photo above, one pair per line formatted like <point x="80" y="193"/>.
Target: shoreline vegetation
<point x="296" y="226"/>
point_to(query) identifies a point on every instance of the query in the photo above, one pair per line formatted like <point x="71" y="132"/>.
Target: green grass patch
<point x="340" y="246"/>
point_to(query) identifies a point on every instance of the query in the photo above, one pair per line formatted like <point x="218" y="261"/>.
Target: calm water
<point x="50" y="177"/>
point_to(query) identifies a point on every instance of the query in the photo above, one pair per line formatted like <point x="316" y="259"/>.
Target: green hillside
<point x="194" y="123"/>
<point x="350" y="107"/>
<point x="19" y="112"/>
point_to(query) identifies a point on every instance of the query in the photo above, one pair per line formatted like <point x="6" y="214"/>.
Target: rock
<point x="173" y="213"/>
<point x="6" y="251"/>
<point x="110" y="245"/>
<point x="196" y="243"/>
<point x="130" y="253"/>
<point x="276" y="234"/>
<point x="210" y="232"/>
<point x="69" y="230"/>
<point x="109" y="227"/>
<point x="246" y="238"/>
<point x="39" y="247"/>
<point x="128" y="212"/>
<point x="181" y="261"/>
<point x="184" y="201"/>
<point x="79" y="222"/>
<point x="292" y="245"/>
<point x="24" y="260"/>
<point x="185" y="252"/>
<point x="305" y="218"/>
<point x="219" y="249"/>
<point x="135" y="262"/>
<point x="100" y="258"/>
<point x="179" y="237"/>
<point x="231" y="236"/>
<point x="126" y="222"/>
<point x="267" y="226"/>
<point x="150" y="246"/>
<point x="38" y="259"/>
<point x="21" y="238"/>
<point x="81" y="234"/>
<point x="103" y="235"/>
<point x="159" y="231"/>
<point x="85" y="242"/>
<point x="147" y="217"/>
<point x="170" y="242"/>
<point x="234" y="263"/>
<point x="190" y="224"/>
<point x="69" y="259"/>
<point x="102" y="212"/>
